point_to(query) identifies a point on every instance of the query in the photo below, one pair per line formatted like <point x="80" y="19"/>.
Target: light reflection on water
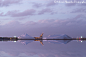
<point x="35" y="49"/>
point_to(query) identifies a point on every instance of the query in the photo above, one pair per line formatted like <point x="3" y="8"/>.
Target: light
<point x="81" y="36"/>
<point x="15" y="36"/>
<point x="14" y="41"/>
<point x="81" y="41"/>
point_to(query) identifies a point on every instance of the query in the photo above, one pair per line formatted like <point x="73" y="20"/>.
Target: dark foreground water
<point x="35" y="49"/>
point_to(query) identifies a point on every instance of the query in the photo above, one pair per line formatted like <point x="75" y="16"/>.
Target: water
<point x="35" y="49"/>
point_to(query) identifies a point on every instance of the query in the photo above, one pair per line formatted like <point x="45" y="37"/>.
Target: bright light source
<point x="14" y="36"/>
<point x="81" y="36"/>
<point x="14" y="41"/>
<point x="81" y="41"/>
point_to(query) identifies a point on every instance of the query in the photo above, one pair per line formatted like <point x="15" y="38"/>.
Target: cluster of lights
<point x="79" y="39"/>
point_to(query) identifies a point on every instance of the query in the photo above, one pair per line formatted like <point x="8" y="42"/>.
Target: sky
<point x="42" y="16"/>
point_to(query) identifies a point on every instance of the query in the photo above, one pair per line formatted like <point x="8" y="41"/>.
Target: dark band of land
<point x="56" y="39"/>
<point x="16" y="38"/>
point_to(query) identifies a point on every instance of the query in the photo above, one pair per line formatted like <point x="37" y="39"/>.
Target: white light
<point x="15" y="36"/>
<point x="14" y="41"/>
<point x="81" y="41"/>
<point x="81" y="36"/>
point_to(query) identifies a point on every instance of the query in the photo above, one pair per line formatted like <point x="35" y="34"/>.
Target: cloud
<point x="80" y="10"/>
<point x="2" y="14"/>
<point x="83" y="4"/>
<point x="51" y="3"/>
<point x="47" y="4"/>
<point x="29" y="12"/>
<point x="70" y="4"/>
<point x="37" y="5"/>
<point x="30" y="23"/>
<point x="46" y="10"/>
<point x="16" y="13"/>
<point x="8" y="2"/>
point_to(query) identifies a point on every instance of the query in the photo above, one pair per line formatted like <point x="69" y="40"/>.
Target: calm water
<point x="35" y="49"/>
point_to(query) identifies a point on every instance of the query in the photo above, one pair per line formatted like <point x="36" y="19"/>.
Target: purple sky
<point x="37" y="16"/>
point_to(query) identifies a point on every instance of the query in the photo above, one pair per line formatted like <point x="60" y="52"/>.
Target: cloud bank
<point x="8" y="2"/>
<point x="73" y="27"/>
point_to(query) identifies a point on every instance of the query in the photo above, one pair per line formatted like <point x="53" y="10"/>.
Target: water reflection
<point x="35" y="49"/>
